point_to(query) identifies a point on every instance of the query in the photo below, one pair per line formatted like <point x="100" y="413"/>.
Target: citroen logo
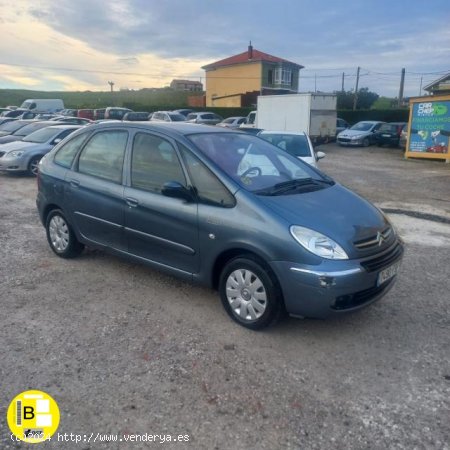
<point x="380" y="239"/>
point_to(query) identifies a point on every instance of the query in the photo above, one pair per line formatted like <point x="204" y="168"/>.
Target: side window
<point x="154" y="162"/>
<point x="64" y="134"/>
<point x="103" y="155"/>
<point x="208" y="188"/>
<point x="65" y="155"/>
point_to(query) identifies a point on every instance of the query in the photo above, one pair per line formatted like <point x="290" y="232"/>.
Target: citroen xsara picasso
<point x="222" y="208"/>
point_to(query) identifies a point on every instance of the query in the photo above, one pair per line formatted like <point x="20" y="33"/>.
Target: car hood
<point x="352" y="133"/>
<point x="10" y="138"/>
<point x="20" y="145"/>
<point x="333" y="211"/>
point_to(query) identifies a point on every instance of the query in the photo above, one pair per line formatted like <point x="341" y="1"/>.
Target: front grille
<point x="1" y="154"/>
<point x="379" y="262"/>
<point x="374" y="241"/>
<point x="344" y="140"/>
<point x="361" y="297"/>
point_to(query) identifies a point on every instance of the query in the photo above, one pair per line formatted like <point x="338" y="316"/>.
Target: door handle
<point x="74" y="183"/>
<point x="131" y="202"/>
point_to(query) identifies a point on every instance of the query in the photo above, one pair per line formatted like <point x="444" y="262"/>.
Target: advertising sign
<point x="429" y="128"/>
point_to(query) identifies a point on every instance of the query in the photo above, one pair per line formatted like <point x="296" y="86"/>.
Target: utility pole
<point x="343" y="77"/>
<point x="111" y="83"/>
<point x="420" y="89"/>
<point x="355" y="98"/>
<point x="402" y="85"/>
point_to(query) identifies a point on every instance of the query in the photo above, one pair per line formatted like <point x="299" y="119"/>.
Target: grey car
<point x="206" y="118"/>
<point x="30" y="127"/>
<point x="360" y="134"/>
<point x="275" y="236"/>
<point x="24" y="156"/>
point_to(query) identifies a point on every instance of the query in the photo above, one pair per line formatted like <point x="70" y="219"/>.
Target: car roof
<point x="180" y="128"/>
<point x="65" y="127"/>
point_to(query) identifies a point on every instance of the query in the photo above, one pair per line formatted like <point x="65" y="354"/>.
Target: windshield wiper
<point x="285" y="186"/>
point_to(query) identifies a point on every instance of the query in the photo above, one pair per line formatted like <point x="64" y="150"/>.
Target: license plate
<point x="388" y="273"/>
<point x="386" y="135"/>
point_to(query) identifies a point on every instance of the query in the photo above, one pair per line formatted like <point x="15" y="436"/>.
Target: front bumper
<point x="333" y="288"/>
<point x="13" y="163"/>
<point x="351" y="143"/>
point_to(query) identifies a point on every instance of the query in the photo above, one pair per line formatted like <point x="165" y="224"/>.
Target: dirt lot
<point x="126" y="350"/>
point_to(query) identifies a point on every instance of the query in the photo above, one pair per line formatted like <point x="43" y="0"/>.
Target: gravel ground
<point x="126" y="350"/>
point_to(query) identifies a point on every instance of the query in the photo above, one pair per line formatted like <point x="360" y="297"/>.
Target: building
<point x="439" y="87"/>
<point x="238" y="80"/>
<point x="186" y="85"/>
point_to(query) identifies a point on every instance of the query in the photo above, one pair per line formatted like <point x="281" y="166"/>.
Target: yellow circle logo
<point x="33" y="416"/>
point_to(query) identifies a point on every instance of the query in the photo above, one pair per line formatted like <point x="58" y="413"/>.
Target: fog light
<point x="326" y="281"/>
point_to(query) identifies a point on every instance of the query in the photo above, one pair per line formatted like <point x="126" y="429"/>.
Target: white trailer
<point x="314" y="114"/>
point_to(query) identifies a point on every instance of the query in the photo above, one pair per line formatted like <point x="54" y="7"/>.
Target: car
<point x="360" y="134"/>
<point x="182" y="199"/>
<point x="167" y="116"/>
<point x="24" y="156"/>
<point x="232" y="122"/>
<point x="115" y="113"/>
<point x="6" y="120"/>
<point x="7" y="129"/>
<point x="99" y="113"/>
<point x="250" y="120"/>
<point x="184" y="112"/>
<point x="22" y="132"/>
<point x="389" y="134"/>
<point x="297" y="145"/>
<point x="206" y="118"/>
<point x="71" y="120"/>
<point x="136" y="116"/>
<point x="341" y="125"/>
<point x="13" y="112"/>
<point x="86" y="114"/>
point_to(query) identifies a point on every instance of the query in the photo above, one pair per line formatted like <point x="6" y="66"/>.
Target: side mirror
<point x="175" y="189"/>
<point x="320" y="155"/>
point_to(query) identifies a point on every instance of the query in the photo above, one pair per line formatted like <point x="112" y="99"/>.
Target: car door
<point x="158" y="228"/>
<point x="94" y="189"/>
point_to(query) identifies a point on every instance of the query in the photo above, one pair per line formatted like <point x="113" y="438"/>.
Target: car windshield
<point x="25" y="131"/>
<point x="11" y="126"/>
<point x="362" y="126"/>
<point x="42" y="135"/>
<point x="295" y="145"/>
<point x="174" y="117"/>
<point x="257" y="165"/>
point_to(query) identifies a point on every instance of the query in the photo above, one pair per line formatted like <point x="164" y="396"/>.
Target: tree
<point x="366" y="99"/>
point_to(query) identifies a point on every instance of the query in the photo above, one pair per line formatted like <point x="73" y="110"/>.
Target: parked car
<point x="6" y="119"/>
<point x="22" y="132"/>
<point x="11" y="127"/>
<point x="71" y="120"/>
<point x="297" y="145"/>
<point x="69" y="112"/>
<point x="24" y="156"/>
<point x="389" y="134"/>
<point x="206" y="118"/>
<point x="99" y="113"/>
<point x="86" y="114"/>
<point x="179" y="198"/>
<point x="116" y="113"/>
<point x="184" y="112"/>
<point x="136" y="116"/>
<point x="13" y="112"/>
<point x="362" y="133"/>
<point x="232" y="122"/>
<point x="341" y="125"/>
<point x="167" y="116"/>
<point x="250" y="120"/>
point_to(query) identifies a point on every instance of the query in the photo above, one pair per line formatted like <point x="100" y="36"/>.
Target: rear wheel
<point x="61" y="237"/>
<point x="33" y="165"/>
<point x="250" y="294"/>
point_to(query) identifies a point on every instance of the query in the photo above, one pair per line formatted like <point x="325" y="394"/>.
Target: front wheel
<point x="61" y="237"/>
<point x="33" y="165"/>
<point x="365" y="142"/>
<point x="250" y="294"/>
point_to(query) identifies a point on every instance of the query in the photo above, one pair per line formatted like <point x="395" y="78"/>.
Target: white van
<point x="43" y="105"/>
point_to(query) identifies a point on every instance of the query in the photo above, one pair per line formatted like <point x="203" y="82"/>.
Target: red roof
<point x="243" y="58"/>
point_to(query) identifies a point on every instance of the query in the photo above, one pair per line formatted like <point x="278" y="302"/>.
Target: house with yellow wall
<point x="239" y="79"/>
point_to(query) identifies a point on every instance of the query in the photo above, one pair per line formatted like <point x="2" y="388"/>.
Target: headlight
<point x="16" y="153"/>
<point x="357" y="137"/>
<point x="317" y="243"/>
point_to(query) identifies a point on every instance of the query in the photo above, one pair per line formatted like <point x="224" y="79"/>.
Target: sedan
<point x="232" y="122"/>
<point x="389" y="134"/>
<point x="22" y="132"/>
<point x="360" y="134"/>
<point x="24" y="156"/>
<point x="297" y="145"/>
<point x="206" y="118"/>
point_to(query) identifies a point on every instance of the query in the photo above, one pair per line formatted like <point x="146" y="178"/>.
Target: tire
<point x="250" y="294"/>
<point x="365" y="142"/>
<point x="61" y="237"/>
<point x="33" y="165"/>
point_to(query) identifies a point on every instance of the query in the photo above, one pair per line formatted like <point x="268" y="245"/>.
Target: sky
<point x="83" y="44"/>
